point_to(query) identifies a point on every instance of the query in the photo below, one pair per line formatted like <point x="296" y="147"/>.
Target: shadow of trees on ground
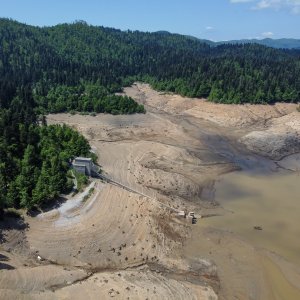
<point x="8" y="223"/>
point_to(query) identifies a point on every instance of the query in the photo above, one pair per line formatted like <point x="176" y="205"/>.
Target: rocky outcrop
<point x="272" y="144"/>
<point x="282" y="138"/>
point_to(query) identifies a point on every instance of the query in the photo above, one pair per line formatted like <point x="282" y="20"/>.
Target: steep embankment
<point x="268" y="130"/>
<point x="280" y="139"/>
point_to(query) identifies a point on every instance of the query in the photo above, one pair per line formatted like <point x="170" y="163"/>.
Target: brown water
<point x="272" y="202"/>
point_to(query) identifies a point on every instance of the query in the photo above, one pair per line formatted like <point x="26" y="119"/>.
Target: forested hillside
<point x="76" y="55"/>
<point x="34" y="157"/>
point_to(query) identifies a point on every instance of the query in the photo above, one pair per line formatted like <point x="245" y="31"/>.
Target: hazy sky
<point x="209" y="19"/>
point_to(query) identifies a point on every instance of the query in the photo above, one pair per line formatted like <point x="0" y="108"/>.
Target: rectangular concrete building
<point x="83" y="165"/>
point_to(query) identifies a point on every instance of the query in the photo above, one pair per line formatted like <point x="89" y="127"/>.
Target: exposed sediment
<point x="120" y="244"/>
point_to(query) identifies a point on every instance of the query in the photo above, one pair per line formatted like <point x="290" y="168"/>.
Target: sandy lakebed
<point x="235" y="165"/>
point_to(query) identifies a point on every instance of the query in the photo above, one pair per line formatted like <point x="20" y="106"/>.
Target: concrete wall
<point x="80" y="169"/>
<point x="86" y="163"/>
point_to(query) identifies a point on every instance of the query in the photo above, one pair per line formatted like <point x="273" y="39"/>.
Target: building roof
<point x="79" y="165"/>
<point x="83" y="158"/>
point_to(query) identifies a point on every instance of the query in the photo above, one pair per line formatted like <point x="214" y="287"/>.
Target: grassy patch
<point x="82" y="181"/>
<point x="91" y="191"/>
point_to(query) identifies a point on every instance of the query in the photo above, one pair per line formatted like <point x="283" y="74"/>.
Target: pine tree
<point x="27" y="178"/>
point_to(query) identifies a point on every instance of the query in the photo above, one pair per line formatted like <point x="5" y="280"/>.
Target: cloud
<point x="267" y="34"/>
<point x="296" y="10"/>
<point x="265" y="4"/>
<point x="240" y="1"/>
<point x="292" y="5"/>
<point x="209" y="28"/>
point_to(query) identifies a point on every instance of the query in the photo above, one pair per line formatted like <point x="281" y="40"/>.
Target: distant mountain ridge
<point x="283" y="43"/>
<point x="61" y="58"/>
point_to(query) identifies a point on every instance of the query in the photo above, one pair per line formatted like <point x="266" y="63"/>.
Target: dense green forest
<point x="85" y="97"/>
<point x="78" y="67"/>
<point x="73" y="55"/>
<point x="34" y="157"/>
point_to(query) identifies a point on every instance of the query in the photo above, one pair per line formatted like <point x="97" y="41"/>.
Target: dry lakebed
<point x="236" y="166"/>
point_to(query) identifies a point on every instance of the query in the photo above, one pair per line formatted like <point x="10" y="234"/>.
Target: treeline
<point x="85" y="97"/>
<point x="50" y="63"/>
<point x="66" y="55"/>
<point x="34" y="157"/>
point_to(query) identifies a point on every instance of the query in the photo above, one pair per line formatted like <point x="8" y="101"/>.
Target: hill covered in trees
<point x="34" y="157"/>
<point x="77" y="55"/>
